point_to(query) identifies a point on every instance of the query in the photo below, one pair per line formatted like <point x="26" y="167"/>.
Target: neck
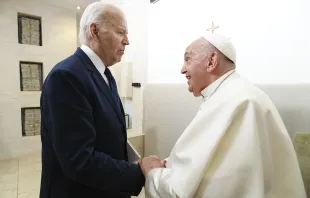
<point x="217" y="75"/>
<point x="101" y="54"/>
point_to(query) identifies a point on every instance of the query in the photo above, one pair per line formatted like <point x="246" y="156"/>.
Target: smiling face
<point x="200" y="60"/>
<point x="111" y="42"/>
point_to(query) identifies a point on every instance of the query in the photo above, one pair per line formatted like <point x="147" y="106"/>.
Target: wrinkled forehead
<point x="116" y="19"/>
<point x="195" y="47"/>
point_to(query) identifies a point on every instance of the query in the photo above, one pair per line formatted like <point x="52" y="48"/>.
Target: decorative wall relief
<point x="31" y="121"/>
<point x="29" y="29"/>
<point x="31" y="76"/>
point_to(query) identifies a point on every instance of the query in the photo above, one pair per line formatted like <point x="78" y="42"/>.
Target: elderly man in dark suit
<point x="83" y="129"/>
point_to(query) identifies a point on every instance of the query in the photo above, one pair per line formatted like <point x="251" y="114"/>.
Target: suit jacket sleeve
<point x="73" y="135"/>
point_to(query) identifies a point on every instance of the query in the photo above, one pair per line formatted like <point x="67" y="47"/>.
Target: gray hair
<point x="94" y="13"/>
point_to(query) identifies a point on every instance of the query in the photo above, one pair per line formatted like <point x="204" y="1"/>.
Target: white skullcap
<point x="223" y="44"/>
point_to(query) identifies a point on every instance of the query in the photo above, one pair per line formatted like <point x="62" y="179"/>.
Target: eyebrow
<point x="119" y="27"/>
<point x="123" y="29"/>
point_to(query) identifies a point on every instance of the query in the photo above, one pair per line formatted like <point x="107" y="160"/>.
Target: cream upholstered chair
<point x="302" y="148"/>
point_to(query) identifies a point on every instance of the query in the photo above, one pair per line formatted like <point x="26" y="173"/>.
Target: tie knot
<point x="107" y="72"/>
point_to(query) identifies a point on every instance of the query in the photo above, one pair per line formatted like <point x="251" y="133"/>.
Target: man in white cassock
<point x="236" y="146"/>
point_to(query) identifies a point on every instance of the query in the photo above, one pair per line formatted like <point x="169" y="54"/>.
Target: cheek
<point x="197" y="74"/>
<point x="194" y="71"/>
<point x="115" y="45"/>
<point x="117" y="39"/>
<point x="107" y="41"/>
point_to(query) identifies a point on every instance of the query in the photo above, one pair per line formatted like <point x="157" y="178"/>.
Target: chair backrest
<point x="302" y="147"/>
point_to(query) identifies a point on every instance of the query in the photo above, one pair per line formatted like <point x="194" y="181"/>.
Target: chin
<point x="119" y="58"/>
<point x="195" y="94"/>
<point x="115" y="61"/>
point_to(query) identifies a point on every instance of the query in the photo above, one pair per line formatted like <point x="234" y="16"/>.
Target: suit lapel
<point x="98" y="79"/>
<point x="107" y="93"/>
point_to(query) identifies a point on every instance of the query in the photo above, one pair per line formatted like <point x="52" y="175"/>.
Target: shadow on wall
<point x="293" y="123"/>
<point x="153" y="147"/>
<point x="292" y="102"/>
<point x="168" y="109"/>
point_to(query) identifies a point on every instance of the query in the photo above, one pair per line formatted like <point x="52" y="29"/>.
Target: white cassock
<point x="236" y="147"/>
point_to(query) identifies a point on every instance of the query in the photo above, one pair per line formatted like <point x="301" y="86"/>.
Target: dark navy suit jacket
<point x="83" y="134"/>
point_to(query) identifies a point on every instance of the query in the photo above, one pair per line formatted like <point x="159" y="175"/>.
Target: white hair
<point x="94" y="13"/>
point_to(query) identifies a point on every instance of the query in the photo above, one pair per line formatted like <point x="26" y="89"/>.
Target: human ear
<point x="212" y="61"/>
<point x="94" y="31"/>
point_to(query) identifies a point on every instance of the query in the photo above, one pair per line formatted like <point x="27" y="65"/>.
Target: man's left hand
<point x="149" y="163"/>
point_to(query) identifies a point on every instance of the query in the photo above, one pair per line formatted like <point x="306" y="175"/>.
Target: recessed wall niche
<point x="29" y="29"/>
<point x="31" y="121"/>
<point x="31" y="76"/>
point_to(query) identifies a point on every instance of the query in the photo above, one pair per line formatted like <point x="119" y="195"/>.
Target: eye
<point x="120" y="33"/>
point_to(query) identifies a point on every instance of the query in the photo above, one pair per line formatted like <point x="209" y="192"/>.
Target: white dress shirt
<point x="96" y="61"/>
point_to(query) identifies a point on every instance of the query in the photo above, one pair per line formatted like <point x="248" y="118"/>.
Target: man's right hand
<point x="149" y="163"/>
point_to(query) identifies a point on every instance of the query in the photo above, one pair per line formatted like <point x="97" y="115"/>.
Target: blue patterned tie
<point x="113" y="86"/>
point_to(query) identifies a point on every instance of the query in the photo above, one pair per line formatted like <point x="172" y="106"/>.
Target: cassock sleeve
<point x="158" y="184"/>
<point x="218" y="150"/>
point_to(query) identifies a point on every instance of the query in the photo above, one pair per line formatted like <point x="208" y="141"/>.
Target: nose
<point x="183" y="70"/>
<point x="125" y="40"/>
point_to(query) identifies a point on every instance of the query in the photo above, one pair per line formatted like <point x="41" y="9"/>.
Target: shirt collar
<point x="94" y="58"/>
<point x="208" y="91"/>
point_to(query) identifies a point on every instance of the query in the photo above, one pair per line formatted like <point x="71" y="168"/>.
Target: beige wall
<point x="59" y="40"/>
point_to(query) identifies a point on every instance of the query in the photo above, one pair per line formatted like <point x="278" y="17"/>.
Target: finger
<point x="155" y="158"/>
<point x="163" y="162"/>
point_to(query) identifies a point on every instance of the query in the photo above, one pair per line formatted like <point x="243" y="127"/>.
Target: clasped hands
<point x="151" y="162"/>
